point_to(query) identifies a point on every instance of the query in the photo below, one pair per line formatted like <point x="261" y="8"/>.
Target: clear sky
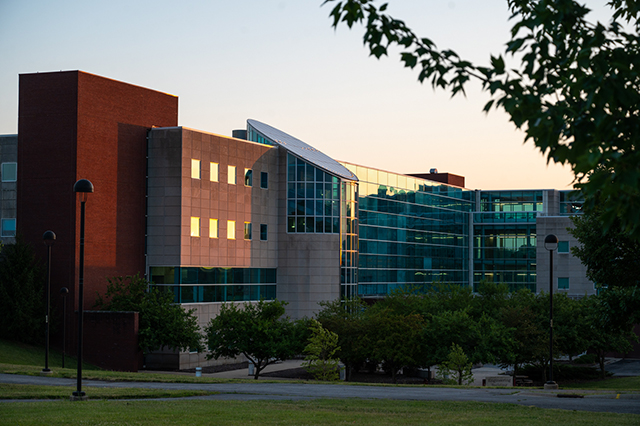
<point x="281" y="62"/>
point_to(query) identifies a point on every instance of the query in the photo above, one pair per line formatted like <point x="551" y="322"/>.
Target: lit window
<point x="247" y="230"/>
<point x="563" y="283"/>
<point x="195" y="226"/>
<point x="8" y="227"/>
<point x="213" y="228"/>
<point x="264" y="180"/>
<point x="231" y="178"/>
<point x="263" y="232"/>
<point x="195" y="169"/>
<point x="9" y="172"/>
<point x="214" y="172"/>
<point x="248" y="177"/>
<point x="231" y="229"/>
<point x="563" y="246"/>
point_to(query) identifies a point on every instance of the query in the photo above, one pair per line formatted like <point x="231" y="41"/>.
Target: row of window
<point x="231" y="229"/>
<point x="196" y="173"/>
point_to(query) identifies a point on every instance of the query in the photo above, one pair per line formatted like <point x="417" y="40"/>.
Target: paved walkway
<point x="592" y="401"/>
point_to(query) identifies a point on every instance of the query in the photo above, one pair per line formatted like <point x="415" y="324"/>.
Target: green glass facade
<point x="198" y="285"/>
<point x="504" y="233"/>
<point x="412" y="232"/>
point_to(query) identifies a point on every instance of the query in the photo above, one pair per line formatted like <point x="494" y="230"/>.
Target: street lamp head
<point x="84" y="187"/>
<point x="551" y="242"/>
<point x="49" y="238"/>
<point x="64" y="291"/>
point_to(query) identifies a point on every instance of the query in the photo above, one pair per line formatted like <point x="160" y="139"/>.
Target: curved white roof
<point x="302" y="150"/>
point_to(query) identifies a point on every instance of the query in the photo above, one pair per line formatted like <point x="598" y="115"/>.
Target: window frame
<point x="195" y="226"/>
<point x="231" y="175"/>
<point x="248" y="231"/>
<point x="12" y="232"/>
<point x="213" y="228"/>
<point x="231" y="229"/>
<point x="564" y="279"/>
<point x="196" y="171"/>
<point x="264" y="180"/>
<point x="3" y="173"/>
<point x="264" y="230"/>
<point x="562" y="244"/>
<point x="248" y="177"/>
<point x="214" y="176"/>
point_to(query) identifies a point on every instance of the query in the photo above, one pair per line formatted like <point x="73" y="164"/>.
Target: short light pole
<point x="64" y="292"/>
<point x="551" y="244"/>
<point x="49" y="238"/>
<point x="84" y="187"/>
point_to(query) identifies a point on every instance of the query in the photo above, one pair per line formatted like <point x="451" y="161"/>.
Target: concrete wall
<point x="564" y="265"/>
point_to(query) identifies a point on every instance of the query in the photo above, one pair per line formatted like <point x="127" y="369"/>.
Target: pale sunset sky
<point x="281" y="62"/>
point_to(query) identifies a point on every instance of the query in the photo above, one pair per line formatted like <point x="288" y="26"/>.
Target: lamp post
<point x="64" y="292"/>
<point x="551" y="244"/>
<point x="49" y="238"/>
<point x="84" y="187"/>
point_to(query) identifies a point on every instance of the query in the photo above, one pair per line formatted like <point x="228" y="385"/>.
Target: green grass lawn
<point x="22" y="354"/>
<point x="12" y="391"/>
<point x="315" y="412"/>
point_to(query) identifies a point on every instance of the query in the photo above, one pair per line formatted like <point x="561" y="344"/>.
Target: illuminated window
<point x="563" y="283"/>
<point x="247" y="230"/>
<point x="263" y="232"/>
<point x="231" y="178"/>
<point x="213" y="228"/>
<point x="8" y="227"/>
<point x="563" y="246"/>
<point x="9" y="172"/>
<point x="264" y="180"/>
<point x="248" y="177"/>
<point x="195" y="226"/>
<point x="195" y="169"/>
<point x="214" y="172"/>
<point x="231" y="229"/>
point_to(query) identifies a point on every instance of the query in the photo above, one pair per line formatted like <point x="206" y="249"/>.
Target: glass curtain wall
<point x="201" y="285"/>
<point x="504" y="231"/>
<point x="349" y="239"/>
<point x="412" y="232"/>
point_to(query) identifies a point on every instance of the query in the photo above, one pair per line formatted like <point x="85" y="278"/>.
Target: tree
<point x="259" y="331"/>
<point x="346" y="318"/>
<point x="161" y="322"/>
<point x="22" y="299"/>
<point x="456" y="365"/>
<point x="612" y="258"/>
<point x="575" y="92"/>
<point x="321" y="352"/>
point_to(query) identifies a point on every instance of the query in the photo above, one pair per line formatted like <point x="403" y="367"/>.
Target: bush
<point x="586" y="359"/>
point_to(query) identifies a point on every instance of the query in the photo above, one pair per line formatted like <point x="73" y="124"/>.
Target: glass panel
<point x="247" y="230"/>
<point x="231" y="229"/>
<point x="195" y="169"/>
<point x="264" y="180"/>
<point x="213" y="172"/>
<point x="248" y="177"/>
<point x="195" y="226"/>
<point x="231" y="177"/>
<point x="213" y="228"/>
<point x="9" y="172"/>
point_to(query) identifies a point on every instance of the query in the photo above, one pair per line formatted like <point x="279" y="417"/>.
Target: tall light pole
<point x="551" y="244"/>
<point x="64" y="292"/>
<point x="84" y="187"/>
<point x="49" y="238"/>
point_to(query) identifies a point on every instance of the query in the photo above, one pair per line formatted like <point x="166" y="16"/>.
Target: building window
<point x="8" y="227"/>
<point x="563" y="246"/>
<point x="231" y="229"/>
<point x="247" y="230"/>
<point x="213" y="177"/>
<point x="195" y="226"/>
<point x="248" y="177"/>
<point x="263" y="232"/>
<point x="213" y="228"/>
<point x="563" y="283"/>
<point x="9" y="172"/>
<point x="195" y="169"/>
<point x="264" y="180"/>
<point x="231" y="178"/>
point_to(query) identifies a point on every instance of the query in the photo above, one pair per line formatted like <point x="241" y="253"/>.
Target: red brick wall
<point x="111" y="340"/>
<point x="74" y="125"/>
